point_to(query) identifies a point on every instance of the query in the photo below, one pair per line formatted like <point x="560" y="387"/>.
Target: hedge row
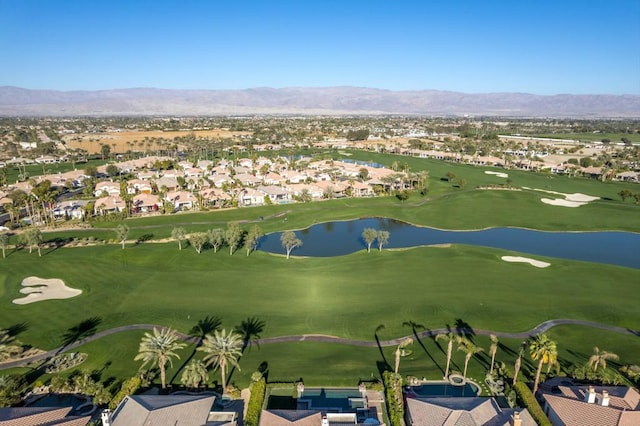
<point x="129" y="387"/>
<point x="528" y="401"/>
<point x="254" y="408"/>
<point x="393" y="393"/>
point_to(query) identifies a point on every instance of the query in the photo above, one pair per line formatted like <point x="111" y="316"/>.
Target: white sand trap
<point x="37" y="289"/>
<point x="498" y="174"/>
<point x="570" y="200"/>
<point x="533" y="262"/>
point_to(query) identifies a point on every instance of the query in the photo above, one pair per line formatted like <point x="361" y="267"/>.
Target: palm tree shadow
<point x="414" y="327"/>
<point x="204" y="326"/>
<point x="384" y="365"/>
<point x="17" y="328"/>
<point x="463" y="328"/>
<point x="84" y="329"/>
<point x="250" y="330"/>
<point x="507" y="349"/>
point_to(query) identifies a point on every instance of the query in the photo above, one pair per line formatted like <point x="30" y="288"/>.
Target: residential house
<point x="468" y="411"/>
<point x="247" y="179"/>
<point x="276" y="194"/>
<point x="163" y="410"/>
<point x="251" y="197"/>
<point x="182" y="200"/>
<point x="168" y="183"/>
<point x="107" y="187"/>
<point x="135" y="186"/>
<point x="145" y="203"/>
<point x="109" y="204"/>
<point x="272" y="178"/>
<point x="71" y="209"/>
<point x="22" y="416"/>
<point x="585" y="405"/>
<point x="215" y="197"/>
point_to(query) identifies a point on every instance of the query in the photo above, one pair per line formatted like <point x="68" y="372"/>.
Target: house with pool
<point x="322" y="406"/>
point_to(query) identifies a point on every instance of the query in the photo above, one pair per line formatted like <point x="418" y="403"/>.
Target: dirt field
<point x="121" y="142"/>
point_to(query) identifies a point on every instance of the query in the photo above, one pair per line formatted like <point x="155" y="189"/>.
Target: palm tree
<point x="543" y="350"/>
<point x="600" y="358"/>
<point x="493" y="349"/>
<point x="158" y="349"/>
<point x="518" y="363"/>
<point x="194" y="373"/>
<point x="400" y="352"/>
<point x="470" y="349"/>
<point x="4" y="243"/>
<point x="221" y="350"/>
<point x="8" y="345"/>
<point x="449" y="337"/>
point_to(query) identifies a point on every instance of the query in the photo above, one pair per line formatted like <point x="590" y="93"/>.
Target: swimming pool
<point x="443" y="390"/>
<point x="338" y="399"/>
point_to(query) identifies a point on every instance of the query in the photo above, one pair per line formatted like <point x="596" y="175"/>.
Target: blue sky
<point x="475" y="46"/>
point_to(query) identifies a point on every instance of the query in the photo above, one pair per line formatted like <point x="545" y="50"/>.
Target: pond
<point x="341" y="238"/>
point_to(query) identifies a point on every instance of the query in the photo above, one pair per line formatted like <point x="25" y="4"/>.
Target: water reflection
<point x="340" y="238"/>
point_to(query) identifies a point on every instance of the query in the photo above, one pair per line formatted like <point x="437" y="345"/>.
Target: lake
<point x="340" y="238"/>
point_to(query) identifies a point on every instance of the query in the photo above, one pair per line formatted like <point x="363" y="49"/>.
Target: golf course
<point x="361" y="297"/>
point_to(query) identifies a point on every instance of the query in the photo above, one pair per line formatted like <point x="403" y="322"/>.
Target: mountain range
<point x="15" y="101"/>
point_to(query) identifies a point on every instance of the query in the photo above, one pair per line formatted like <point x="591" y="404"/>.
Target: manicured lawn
<point x="347" y="296"/>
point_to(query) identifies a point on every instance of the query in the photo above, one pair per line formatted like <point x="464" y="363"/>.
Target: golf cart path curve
<point x="541" y="328"/>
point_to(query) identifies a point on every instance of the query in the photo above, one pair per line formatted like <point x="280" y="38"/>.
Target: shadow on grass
<point x="386" y="364"/>
<point x="15" y="329"/>
<point x="207" y="325"/>
<point x="414" y="327"/>
<point x="81" y="331"/>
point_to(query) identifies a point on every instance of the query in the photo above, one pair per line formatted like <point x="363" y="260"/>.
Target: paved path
<point x="541" y="328"/>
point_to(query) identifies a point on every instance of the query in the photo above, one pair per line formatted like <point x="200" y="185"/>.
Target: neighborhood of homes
<point x="262" y="180"/>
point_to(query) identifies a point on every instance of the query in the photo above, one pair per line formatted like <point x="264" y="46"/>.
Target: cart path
<point x="541" y="328"/>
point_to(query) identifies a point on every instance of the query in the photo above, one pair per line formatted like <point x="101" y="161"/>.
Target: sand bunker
<point x="570" y="200"/>
<point x="37" y="289"/>
<point x="498" y="174"/>
<point x="533" y="262"/>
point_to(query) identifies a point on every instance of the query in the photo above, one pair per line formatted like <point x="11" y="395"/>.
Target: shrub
<point x="256" y="401"/>
<point x="527" y="400"/>
<point x="393" y="393"/>
<point x="129" y="387"/>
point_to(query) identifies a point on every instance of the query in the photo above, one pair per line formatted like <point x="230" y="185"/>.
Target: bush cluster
<point x="129" y="387"/>
<point x="528" y="401"/>
<point x="393" y="393"/>
<point x="256" y="401"/>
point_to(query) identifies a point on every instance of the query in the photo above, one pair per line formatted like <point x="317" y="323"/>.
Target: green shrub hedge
<point x="393" y="393"/>
<point x="528" y="401"/>
<point x="129" y="387"/>
<point x="254" y="408"/>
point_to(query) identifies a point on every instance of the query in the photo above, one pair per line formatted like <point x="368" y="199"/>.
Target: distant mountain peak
<point x="16" y="101"/>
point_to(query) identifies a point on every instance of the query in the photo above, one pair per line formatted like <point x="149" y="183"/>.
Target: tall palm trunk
<point x="538" y="371"/>
<point x="223" y="374"/>
<point x="467" y="358"/>
<point x="163" y="374"/>
<point x="516" y="369"/>
<point x="449" y="350"/>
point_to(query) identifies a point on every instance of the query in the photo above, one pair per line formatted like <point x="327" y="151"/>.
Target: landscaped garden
<point x="347" y="296"/>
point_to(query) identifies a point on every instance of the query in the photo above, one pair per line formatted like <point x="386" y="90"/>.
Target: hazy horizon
<point x="542" y="48"/>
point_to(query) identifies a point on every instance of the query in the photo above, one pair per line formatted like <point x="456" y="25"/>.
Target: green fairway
<point x="346" y="296"/>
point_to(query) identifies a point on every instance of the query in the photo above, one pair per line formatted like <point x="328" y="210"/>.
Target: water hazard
<point x="341" y="238"/>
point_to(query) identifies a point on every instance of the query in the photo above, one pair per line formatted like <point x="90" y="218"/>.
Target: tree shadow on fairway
<point x="464" y="329"/>
<point x="507" y="349"/>
<point x="15" y="329"/>
<point x="207" y="325"/>
<point x="414" y="327"/>
<point x="250" y="330"/>
<point x="81" y="331"/>
<point x="382" y="365"/>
